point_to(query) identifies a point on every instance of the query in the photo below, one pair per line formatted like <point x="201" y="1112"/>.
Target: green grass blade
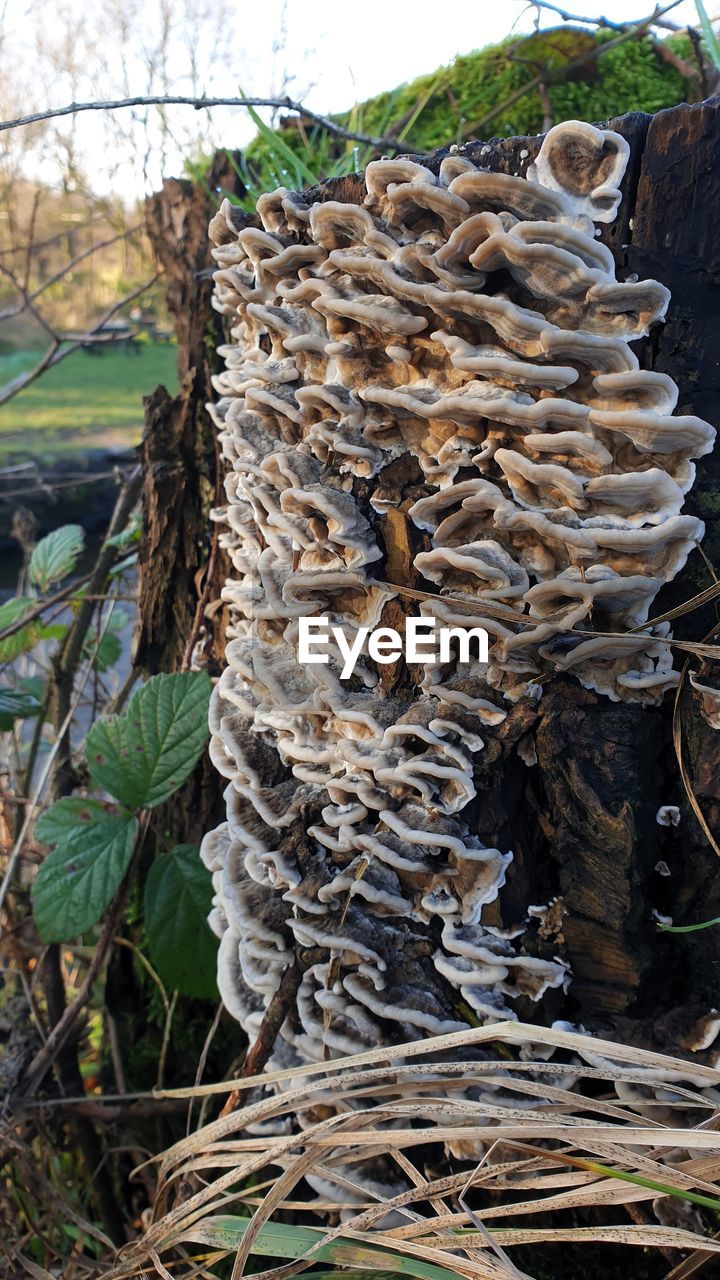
<point x="689" y="928"/>
<point x="280" y="1240"/>
<point x="279" y="148"/>
<point x="711" y="41"/>
<point x="662" y="1188"/>
<point x="423" y="101"/>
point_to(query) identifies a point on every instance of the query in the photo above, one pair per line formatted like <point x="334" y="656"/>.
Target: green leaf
<point x="56" y="555"/>
<point x="54" y="630"/>
<point x="178" y="896"/>
<point x="144" y="755"/>
<point x="107" y="652"/>
<point x="10" y="613"/>
<point x="282" y="1240"/>
<point x="36" y="685"/>
<point x="662" y="1188"/>
<point x="82" y="875"/>
<point x="16" y="704"/>
<point x="127" y="536"/>
<point x="127" y="563"/>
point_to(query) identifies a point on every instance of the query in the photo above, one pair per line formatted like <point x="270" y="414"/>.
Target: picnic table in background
<point x="120" y="335"/>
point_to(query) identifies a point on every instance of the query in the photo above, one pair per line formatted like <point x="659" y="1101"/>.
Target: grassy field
<point x="86" y="402"/>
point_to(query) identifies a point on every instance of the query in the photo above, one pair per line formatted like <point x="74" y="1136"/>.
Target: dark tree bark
<point x="582" y="821"/>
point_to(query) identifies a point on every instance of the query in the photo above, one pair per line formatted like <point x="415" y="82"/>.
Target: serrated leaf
<point x="10" y="613"/>
<point x="56" y="555"/>
<point x="144" y="755"/>
<point x="16" y="704"/>
<point x="178" y="896"/>
<point x="119" y="619"/>
<point x="36" y="685"/>
<point x="80" y="878"/>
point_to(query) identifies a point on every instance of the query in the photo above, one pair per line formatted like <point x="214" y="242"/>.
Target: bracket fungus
<point x="470" y="327"/>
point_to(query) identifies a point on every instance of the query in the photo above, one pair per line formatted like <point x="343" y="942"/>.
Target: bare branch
<point x="606" y="23"/>
<point x="552" y="75"/>
<point x="15" y="249"/>
<point x="685" y="68"/>
<point x="163" y="100"/>
<point x="58" y="350"/>
<point x="58" y="275"/>
<point x="25" y="304"/>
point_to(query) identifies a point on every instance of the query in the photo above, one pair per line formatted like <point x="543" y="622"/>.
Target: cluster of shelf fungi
<point x="438" y="387"/>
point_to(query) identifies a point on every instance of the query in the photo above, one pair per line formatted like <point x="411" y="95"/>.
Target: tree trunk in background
<point x="581" y="822"/>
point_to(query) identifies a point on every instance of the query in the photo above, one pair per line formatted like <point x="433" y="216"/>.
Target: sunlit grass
<point x="83" y="396"/>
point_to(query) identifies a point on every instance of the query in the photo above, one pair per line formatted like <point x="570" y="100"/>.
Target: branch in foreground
<point x="180" y="100"/>
<point x="685" y="68"/>
<point x="600" y="21"/>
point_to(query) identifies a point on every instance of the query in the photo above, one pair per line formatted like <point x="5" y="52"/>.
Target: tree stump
<point x="582" y="820"/>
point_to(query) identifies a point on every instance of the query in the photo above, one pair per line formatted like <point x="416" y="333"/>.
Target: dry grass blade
<point x="552" y="1139"/>
<point x="499" y="1033"/>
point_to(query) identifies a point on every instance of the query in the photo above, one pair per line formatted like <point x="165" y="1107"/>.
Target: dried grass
<point x="556" y="1143"/>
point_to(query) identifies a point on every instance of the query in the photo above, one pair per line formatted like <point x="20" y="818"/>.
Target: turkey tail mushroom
<point x="472" y="329"/>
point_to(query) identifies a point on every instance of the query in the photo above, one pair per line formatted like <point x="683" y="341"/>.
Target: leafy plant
<point x="16" y="704"/>
<point x="56" y="555"/>
<point x="178" y="894"/>
<point x="22" y="639"/>
<point x="93" y="843"/>
<point x="144" y="755"/>
<point x="140" y="757"/>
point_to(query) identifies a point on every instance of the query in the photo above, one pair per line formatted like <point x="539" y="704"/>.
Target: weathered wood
<point x="581" y="822"/>
<point x="182" y="471"/>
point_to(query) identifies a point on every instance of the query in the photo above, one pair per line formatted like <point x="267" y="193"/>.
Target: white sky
<point x="336" y="52"/>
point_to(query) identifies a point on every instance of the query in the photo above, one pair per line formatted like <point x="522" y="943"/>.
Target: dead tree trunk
<point x="582" y="820"/>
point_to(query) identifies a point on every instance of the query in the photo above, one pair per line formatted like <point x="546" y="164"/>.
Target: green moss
<point x="708" y="502"/>
<point x="454" y="103"/>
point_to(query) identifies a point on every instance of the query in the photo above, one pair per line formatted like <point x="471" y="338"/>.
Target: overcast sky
<point x="327" y="53"/>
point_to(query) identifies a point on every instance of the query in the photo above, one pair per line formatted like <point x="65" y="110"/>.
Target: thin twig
<point x="275" y="1014"/>
<point x="685" y="68"/>
<point x="200" y="608"/>
<point x="59" y="350"/>
<point x="41" y="608"/>
<point x="30" y="297"/>
<point x="66" y="662"/>
<point x="601" y="21"/>
<point x="679" y="752"/>
<point x="181" y="100"/>
<point x="53" y="486"/>
<point x="552" y="75"/>
<point x="38" y="792"/>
